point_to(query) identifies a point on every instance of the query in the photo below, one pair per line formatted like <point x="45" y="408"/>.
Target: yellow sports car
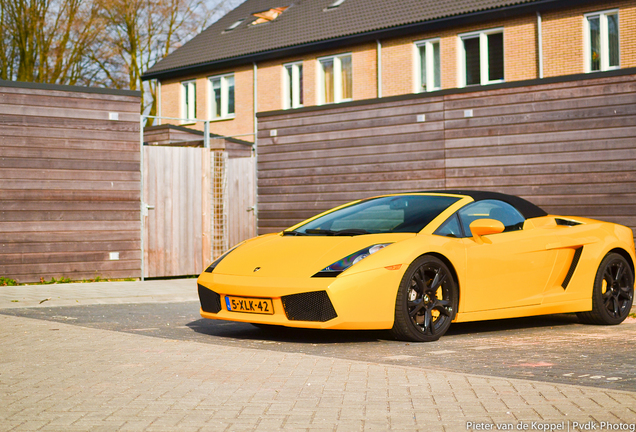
<point x="415" y="262"/>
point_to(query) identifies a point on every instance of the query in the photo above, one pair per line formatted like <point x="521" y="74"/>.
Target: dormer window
<point x="268" y="15"/>
<point x="335" y="4"/>
<point x="235" y="25"/>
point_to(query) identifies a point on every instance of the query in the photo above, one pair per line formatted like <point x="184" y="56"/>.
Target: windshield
<point x="393" y="214"/>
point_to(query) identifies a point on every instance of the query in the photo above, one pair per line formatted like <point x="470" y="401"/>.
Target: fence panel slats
<point x="69" y="183"/>
<point x="569" y="146"/>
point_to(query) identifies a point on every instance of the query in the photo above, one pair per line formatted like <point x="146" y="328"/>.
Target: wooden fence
<point x="69" y="182"/>
<point x="566" y="144"/>
<point x="70" y="190"/>
<point x="198" y="201"/>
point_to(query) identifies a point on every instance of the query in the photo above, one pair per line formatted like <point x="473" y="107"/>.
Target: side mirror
<point x="482" y="227"/>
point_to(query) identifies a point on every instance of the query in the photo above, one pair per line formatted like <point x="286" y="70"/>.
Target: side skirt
<point x="518" y="312"/>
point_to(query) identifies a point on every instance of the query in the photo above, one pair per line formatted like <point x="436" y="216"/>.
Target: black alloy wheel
<point x="613" y="292"/>
<point x="426" y="301"/>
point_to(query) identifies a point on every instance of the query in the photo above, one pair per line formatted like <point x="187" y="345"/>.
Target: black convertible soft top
<point x="525" y="207"/>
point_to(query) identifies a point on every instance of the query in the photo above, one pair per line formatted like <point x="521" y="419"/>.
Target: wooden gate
<point x="241" y="192"/>
<point x="177" y="225"/>
<point x="198" y="207"/>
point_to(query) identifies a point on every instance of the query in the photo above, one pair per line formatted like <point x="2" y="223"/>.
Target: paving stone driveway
<point x="59" y="377"/>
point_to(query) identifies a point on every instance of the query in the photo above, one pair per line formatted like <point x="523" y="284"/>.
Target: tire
<point x="613" y="292"/>
<point x="426" y="301"/>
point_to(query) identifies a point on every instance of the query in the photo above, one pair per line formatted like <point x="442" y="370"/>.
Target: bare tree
<point x="107" y="43"/>
<point x="141" y="32"/>
<point x="48" y="40"/>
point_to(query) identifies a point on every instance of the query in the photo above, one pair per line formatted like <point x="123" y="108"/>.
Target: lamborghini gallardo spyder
<point x="416" y="262"/>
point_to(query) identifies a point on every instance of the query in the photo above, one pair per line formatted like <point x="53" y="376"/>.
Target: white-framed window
<point x="221" y="96"/>
<point x="429" y="75"/>
<point x="481" y="57"/>
<point x="335" y="78"/>
<point x="189" y="100"/>
<point x="293" y="85"/>
<point x="601" y="41"/>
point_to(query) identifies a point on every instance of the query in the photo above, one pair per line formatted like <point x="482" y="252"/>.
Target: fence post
<point x="206" y="134"/>
<point x="142" y="204"/>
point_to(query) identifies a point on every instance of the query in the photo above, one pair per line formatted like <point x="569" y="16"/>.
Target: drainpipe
<point x="379" y="73"/>
<point x="255" y="148"/>
<point x="142" y="204"/>
<point x="158" y="102"/>
<point x="540" y="45"/>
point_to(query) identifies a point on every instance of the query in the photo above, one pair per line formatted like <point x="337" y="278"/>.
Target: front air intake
<point x="210" y="301"/>
<point x="311" y="306"/>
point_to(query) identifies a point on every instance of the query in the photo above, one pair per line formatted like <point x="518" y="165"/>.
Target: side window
<point x="335" y="79"/>
<point x="430" y="65"/>
<point x="491" y="209"/>
<point x="450" y="228"/>
<point x="222" y="97"/>
<point x="189" y="100"/>
<point x="601" y="41"/>
<point x="293" y="85"/>
<point x="482" y="57"/>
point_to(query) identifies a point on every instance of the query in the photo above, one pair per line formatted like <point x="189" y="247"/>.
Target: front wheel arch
<point x="451" y="267"/>
<point x="427" y="300"/>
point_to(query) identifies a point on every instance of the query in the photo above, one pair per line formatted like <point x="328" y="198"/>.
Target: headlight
<point x="339" y="266"/>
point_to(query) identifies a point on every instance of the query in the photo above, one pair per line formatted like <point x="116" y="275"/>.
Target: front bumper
<point x="360" y="301"/>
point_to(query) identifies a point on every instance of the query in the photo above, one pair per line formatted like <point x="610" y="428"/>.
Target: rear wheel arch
<point x="625" y="255"/>
<point x="612" y="291"/>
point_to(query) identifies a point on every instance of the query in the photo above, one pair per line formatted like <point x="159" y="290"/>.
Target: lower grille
<point x="210" y="301"/>
<point x="311" y="306"/>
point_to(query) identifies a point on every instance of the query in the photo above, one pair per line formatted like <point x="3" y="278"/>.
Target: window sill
<point x="604" y="70"/>
<point x="483" y="84"/>
<point x="337" y="102"/>
<point x="218" y="119"/>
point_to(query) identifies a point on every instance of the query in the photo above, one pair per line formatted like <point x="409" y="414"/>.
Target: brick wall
<point x="520" y="49"/>
<point x="365" y="72"/>
<point x="270" y="77"/>
<point x="270" y="86"/>
<point x="562" y="33"/>
<point x="398" y="66"/>
<point x="399" y="56"/>
<point x="242" y="123"/>
<point x="563" y="37"/>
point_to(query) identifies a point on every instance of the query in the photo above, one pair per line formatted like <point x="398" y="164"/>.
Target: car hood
<point x="275" y="255"/>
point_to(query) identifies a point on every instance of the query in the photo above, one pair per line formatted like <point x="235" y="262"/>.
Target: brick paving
<point x="78" y="294"/>
<point x="60" y="377"/>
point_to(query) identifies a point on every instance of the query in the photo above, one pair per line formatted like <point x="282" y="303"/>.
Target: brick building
<point x="300" y="53"/>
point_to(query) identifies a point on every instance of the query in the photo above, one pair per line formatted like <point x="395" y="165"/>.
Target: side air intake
<point x="210" y="301"/>
<point x="311" y="306"/>
<point x="573" y="264"/>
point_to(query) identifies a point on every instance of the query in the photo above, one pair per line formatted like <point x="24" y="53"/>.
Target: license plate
<point x="249" y="305"/>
